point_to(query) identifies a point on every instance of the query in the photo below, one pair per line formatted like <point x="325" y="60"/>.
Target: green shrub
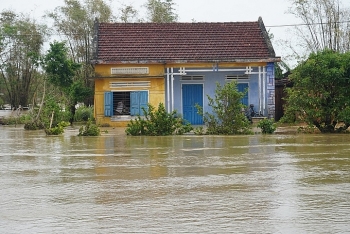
<point x="25" y="118"/>
<point x="227" y="117"/>
<point x="16" y="119"/>
<point x="90" y="129"/>
<point x="310" y="129"/>
<point x="267" y="126"/>
<point x="10" y="120"/>
<point x="136" y="127"/>
<point x="59" y="115"/>
<point x="83" y="114"/>
<point x="158" y="123"/>
<point x="58" y="130"/>
<point x="33" y="126"/>
<point x="199" y="131"/>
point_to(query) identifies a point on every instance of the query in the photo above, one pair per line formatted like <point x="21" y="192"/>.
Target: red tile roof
<point x="182" y="42"/>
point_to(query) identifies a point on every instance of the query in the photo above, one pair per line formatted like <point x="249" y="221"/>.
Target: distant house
<point x="179" y="64"/>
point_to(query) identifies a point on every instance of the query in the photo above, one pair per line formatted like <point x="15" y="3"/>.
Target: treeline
<point x="60" y="77"/>
<point x="26" y="70"/>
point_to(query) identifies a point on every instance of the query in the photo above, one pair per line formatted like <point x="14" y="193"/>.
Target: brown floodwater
<point x="281" y="183"/>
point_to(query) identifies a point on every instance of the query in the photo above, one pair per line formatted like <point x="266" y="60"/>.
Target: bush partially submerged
<point x="16" y="119"/>
<point x="267" y="126"/>
<point x="90" y="129"/>
<point x="33" y="126"/>
<point x="58" y="130"/>
<point x="227" y="117"/>
<point x="158" y="123"/>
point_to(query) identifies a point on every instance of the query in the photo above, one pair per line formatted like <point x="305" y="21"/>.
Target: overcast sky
<point x="273" y="12"/>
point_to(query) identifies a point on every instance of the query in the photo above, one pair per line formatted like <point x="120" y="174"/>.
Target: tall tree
<point x="21" y="40"/>
<point x="61" y="71"/>
<point x="326" y="22"/>
<point x="74" y="22"/>
<point x="320" y="95"/>
<point x="128" y="14"/>
<point x="161" y="11"/>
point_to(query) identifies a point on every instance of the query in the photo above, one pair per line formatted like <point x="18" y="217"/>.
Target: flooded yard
<point x="280" y="183"/>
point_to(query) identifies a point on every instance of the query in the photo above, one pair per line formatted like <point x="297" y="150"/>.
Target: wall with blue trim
<point x="209" y="83"/>
<point x="270" y="94"/>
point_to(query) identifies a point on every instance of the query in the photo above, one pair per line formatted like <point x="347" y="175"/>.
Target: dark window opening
<point x="121" y="103"/>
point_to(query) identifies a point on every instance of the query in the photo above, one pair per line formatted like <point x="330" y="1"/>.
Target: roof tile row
<point x="122" y="42"/>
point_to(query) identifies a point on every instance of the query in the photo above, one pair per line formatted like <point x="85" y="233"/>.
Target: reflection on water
<point x="177" y="184"/>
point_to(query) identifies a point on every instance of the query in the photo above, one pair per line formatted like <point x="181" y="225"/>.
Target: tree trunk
<point x="53" y="112"/>
<point x="72" y="111"/>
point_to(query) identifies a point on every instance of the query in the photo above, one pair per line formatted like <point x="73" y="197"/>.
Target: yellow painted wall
<point x="102" y="85"/>
<point x="104" y="70"/>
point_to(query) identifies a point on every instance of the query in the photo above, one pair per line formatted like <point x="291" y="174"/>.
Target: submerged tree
<point x="320" y="95"/>
<point x="21" y="40"/>
<point x="227" y="117"/>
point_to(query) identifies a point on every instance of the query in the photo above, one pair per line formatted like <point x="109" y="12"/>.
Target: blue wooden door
<point x="192" y="94"/>
<point x="242" y="87"/>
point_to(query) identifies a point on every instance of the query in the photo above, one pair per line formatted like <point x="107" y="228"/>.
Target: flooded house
<point x="179" y="65"/>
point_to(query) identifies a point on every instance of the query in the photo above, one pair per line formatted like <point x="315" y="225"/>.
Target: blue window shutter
<point x="108" y="103"/>
<point x="138" y="99"/>
<point x="143" y="101"/>
<point x="134" y="103"/>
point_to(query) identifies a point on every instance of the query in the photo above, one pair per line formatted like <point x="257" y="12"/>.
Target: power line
<point x="296" y="25"/>
<point x="267" y="26"/>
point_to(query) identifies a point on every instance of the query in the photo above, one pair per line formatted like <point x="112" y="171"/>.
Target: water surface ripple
<point x="177" y="184"/>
